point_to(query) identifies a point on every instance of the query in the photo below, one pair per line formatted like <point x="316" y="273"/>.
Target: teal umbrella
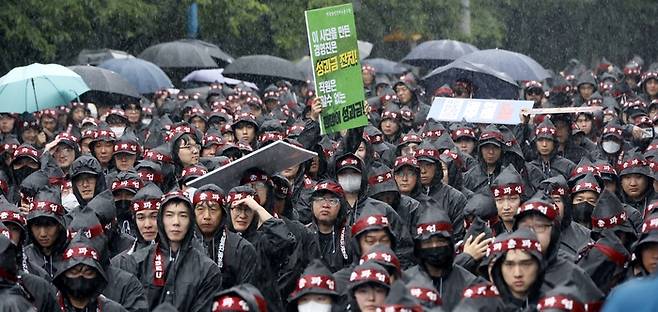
<point x="39" y="86"/>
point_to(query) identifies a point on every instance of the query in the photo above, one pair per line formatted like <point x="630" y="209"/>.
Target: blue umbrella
<point x="145" y="76"/>
<point x="488" y="83"/>
<point x="518" y="66"/>
<point x="434" y="53"/>
<point x="38" y="86"/>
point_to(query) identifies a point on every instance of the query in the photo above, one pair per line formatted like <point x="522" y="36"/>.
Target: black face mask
<point x="22" y="173"/>
<point x="440" y="257"/>
<point x="123" y="209"/>
<point x="582" y="213"/>
<point x="80" y="287"/>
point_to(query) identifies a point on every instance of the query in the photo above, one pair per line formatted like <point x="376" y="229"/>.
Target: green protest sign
<point x="336" y="67"/>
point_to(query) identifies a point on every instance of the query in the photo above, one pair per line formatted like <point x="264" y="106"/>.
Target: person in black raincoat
<point x="329" y="210"/>
<point x="431" y="177"/>
<point x="315" y="290"/>
<point x="636" y="179"/>
<point x="435" y="252"/>
<point x="540" y="214"/>
<point x="87" y="179"/>
<point x="368" y="288"/>
<point x="126" y="151"/>
<point x="124" y="188"/>
<point x="122" y="287"/>
<point x="400" y="298"/>
<point x="408" y="97"/>
<point x="14" y="297"/>
<point x="25" y="160"/>
<point x="103" y="206"/>
<point x="271" y="238"/>
<point x="605" y="261"/>
<point x="644" y="249"/>
<point x="564" y="297"/>
<point x="80" y="279"/>
<point x="453" y="171"/>
<point x="371" y="229"/>
<point x="234" y="255"/>
<point x="144" y="208"/>
<point x="480" y="216"/>
<point x="102" y="147"/>
<point x="517" y="268"/>
<point x="425" y="293"/>
<point x="611" y="145"/>
<point x="546" y="145"/>
<point x="573" y="236"/>
<point x="483" y="297"/>
<point x="382" y="187"/>
<point x="509" y="192"/>
<point x="244" y="297"/>
<point x="173" y="270"/>
<point x="46" y="231"/>
<point x="489" y="154"/>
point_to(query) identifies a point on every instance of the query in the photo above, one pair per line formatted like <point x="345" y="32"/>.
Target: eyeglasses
<point x="537" y="228"/>
<point x="324" y="200"/>
<point x="192" y="147"/>
<point x="241" y="209"/>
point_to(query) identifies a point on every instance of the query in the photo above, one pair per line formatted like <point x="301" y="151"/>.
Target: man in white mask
<point x="612" y="143"/>
<point x="117" y="121"/>
<point x="315" y="291"/>
<point x="349" y="170"/>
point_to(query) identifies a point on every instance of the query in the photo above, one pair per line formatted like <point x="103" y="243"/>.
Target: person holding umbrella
<point x="408" y="97"/>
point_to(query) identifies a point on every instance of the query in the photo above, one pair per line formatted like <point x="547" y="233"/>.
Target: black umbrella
<point x="105" y="80"/>
<point x="434" y="53"/>
<point x="488" y="82"/>
<point x="262" y="69"/>
<point x="186" y="53"/>
<point x="384" y="66"/>
<point x="516" y="65"/>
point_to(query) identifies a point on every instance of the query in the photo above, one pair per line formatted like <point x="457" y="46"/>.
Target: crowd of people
<point x="404" y="214"/>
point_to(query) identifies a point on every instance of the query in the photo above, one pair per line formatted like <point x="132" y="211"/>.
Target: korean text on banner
<point x="336" y="67"/>
<point x="478" y="110"/>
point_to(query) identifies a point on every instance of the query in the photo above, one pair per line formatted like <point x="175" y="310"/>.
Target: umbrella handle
<point x="34" y="90"/>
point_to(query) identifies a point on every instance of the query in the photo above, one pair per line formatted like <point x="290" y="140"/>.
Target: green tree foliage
<point x="552" y="32"/>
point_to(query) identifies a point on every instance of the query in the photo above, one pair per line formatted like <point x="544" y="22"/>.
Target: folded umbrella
<point x="145" y="76"/>
<point x="39" y="86"/>
<point x="488" y="83"/>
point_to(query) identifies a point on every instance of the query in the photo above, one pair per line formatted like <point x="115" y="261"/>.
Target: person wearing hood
<point x="315" y="290"/>
<point x="435" y="251"/>
<point x="81" y="278"/>
<point x="574" y="236"/>
<point x="539" y="214"/>
<point x="408" y="97"/>
<point x="645" y="249"/>
<point x="508" y="191"/>
<point x="64" y="150"/>
<point x="104" y="208"/>
<point x="368" y="287"/>
<point x="121" y="286"/>
<point x="431" y="177"/>
<point x="87" y="179"/>
<point x="46" y="231"/>
<point x="124" y="188"/>
<point x="605" y="261"/>
<point x="126" y="151"/>
<point x="517" y="268"/>
<point x="13" y="275"/>
<point x="610" y="215"/>
<point x="611" y="144"/>
<point x="25" y="161"/>
<point x="586" y="88"/>
<point x="480" y="177"/>
<point x="102" y="147"/>
<point x="271" y="238"/>
<point x="480" y="297"/>
<point x="173" y="270"/>
<point x="480" y="216"/>
<point x="399" y="297"/>
<point x="424" y="293"/>
<point x="463" y="135"/>
<point x="244" y="297"/>
<point x="329" y="209"/>
<point x="391" y="125"/>
<point x="636" y="179"/>
<point x="14" y="297"/>
<point x="233" y="254"/>
<point x="453" y="167"/>
<point x="245" y="127"/>
<point x="548" y="159"/>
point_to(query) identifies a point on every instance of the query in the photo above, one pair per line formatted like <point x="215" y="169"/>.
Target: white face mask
<point x="314" y="306"/>
<point x="350" y="183"/>
<point x="118" y="131"/>
<point x="610" y="147"/>
<point x="69" y="201"/>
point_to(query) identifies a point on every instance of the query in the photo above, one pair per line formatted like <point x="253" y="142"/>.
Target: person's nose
<point x="518" y="273"/>
<point x="206" y="215"/>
